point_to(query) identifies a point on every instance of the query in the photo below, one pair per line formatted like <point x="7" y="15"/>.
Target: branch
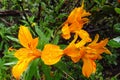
<point x="10" y="13"/>
<point x="6" y="22"/>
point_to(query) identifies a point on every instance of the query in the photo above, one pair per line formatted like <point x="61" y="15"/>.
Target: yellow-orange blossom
<point x="75" y="22"/>
<point x="27" y="54"/>
<point x="88" y="53"/>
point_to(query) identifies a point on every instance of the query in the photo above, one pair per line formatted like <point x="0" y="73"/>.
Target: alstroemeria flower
<point x="51" y="54"/>
<point x="27" y="54"/>
<point x="73" y="49"/>
<point x="92" y="52"/>
<point x="75" y="21"/>
<point x="88" y="54"/>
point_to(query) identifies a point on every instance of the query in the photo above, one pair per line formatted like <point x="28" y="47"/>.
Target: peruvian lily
<point x="75" y="21"/>
<point x="73" y="49"/>
<point x="88" y="53"/>
<point x="51" y="54"/>
<point x="26" y="54"/>
<point x="92" y="52"/>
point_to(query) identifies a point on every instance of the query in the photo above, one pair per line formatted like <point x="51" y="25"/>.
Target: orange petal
<point x="51" y="54"/>
<point x="95" y="40"/>
<point x="34" y="43"/>
<point x="89" y="67"/>
<point x="65" y="32"/>
<point x="81" y="55"/>
<point x="74" y="40"/>
<point x="84" y="13"/>
<point x="83" y="21"/>
<point x="101" y="44"/>
<point x="25" y="36"/>
<point x="72" y="51"/>
<point x="20" y="67"/>
<point x="81" y="43"/>
<point x="11" y="49"/>
<point x="84" y="35"/>
<point x="73" y="15"/>
<point x="75" y="59"/>
<point x="24" y="53"/>
<point x="107" y="51"/>
<point x="75" y="27"/>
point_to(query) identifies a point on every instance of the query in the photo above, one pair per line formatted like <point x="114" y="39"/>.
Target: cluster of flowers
<point x="85" y="49"/>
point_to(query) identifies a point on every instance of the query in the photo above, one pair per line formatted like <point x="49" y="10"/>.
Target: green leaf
<point x="63" y="68"/>
<point x="32" y="71"/>
<point x="56" y="39"/>
<point x="42" y="38"/>
<point x="115" y="42"/>
<point x="1" y="44"/>
<point x="100" y="2"/>
<point x="116" y="27"/>
<point x="46" y="70"/>
<point x="10" y="63"/>
<point x="117" y="10"/>
<point x="13" y="39"/>
<point x="57" y="75"/>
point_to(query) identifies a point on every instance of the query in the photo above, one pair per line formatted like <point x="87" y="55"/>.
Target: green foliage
<point x="116" y="27"/>
<point x="115" y="42"/>
<point x="3" y="68"/>
<point x="32" y="71"/>
<point x="117" y="10"/>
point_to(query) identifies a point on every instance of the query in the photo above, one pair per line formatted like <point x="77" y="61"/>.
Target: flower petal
<point x="25" y="36"/>
<point x="65" y="32"/>
<point x="75" y="59"/>
<point x="89" y="67"/>
<point x="24" y="53"/>
<point x="72" y="51"/>
<point x="34" y="43"/>
<point x="84" y="35"/>
<point x="51" y="54"/>
<point x="95" y="40"/>
<point x="73" y="15"/>
<point x="75" y="27"/>
<point x="21" y="66"/>
<point x="107" y="51"/>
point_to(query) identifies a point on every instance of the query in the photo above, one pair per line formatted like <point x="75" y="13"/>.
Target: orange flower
<point x="51" y="54"/>
<point x="27" y="54"/>
<point x="91" y="53"/>
<point x="73" y="49"/>
<point x="75" y="21"/>
<point x="88" y="53"/>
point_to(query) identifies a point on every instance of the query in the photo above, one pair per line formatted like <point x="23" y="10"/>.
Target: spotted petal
<point x="51" y="54"/>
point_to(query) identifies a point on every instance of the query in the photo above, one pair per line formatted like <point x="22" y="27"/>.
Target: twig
<point x="68" y="75"/>
<point x="117" y="75"/>
<point x="8" y="23"/>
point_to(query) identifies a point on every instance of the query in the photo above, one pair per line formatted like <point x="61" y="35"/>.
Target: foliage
<point x="44" y="19"/>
